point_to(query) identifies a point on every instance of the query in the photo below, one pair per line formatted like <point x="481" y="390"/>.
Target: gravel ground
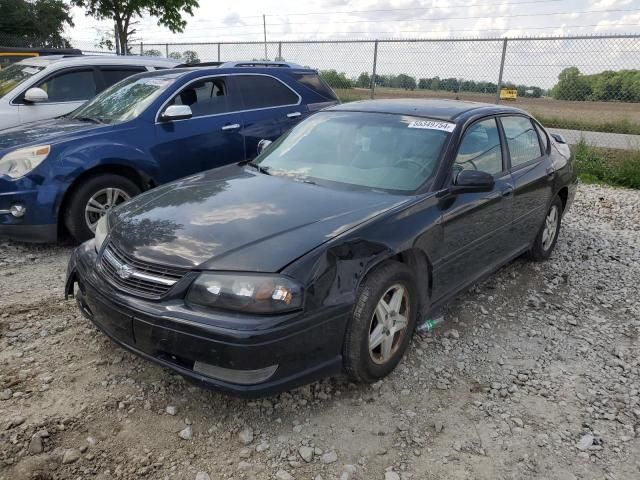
<point x="535" y="374"/>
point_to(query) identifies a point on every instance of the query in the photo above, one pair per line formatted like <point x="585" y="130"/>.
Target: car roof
<point x="79" y="60"/>
<point x="440" y="109"/>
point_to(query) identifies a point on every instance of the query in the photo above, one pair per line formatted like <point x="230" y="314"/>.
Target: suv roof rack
<point x="260" y="63"/>
<point x="201" y="64"/>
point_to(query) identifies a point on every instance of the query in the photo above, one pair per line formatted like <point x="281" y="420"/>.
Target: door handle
<point x="507" y="191"/>
<point x="293" y="114"/>
<point x="233" y="126"/>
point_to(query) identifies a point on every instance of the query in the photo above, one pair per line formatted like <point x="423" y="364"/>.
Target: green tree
<point x="38" y="23"/>
<point x="176" y="56"/>
<point x="190" y="57"/>
<point x="124" y="12"/>
<point x="364" y="80"/>
<point x="572" y="85"/>
<point x="335" y="79"/>
<point x="152" y="52"/>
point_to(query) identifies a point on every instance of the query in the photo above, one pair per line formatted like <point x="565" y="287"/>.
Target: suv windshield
<point x="375" y="150"/>
<point x="125" y="100"/>
<point x="14" y="75"/>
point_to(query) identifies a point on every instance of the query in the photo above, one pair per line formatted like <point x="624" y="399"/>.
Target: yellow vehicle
<point x="508" y="94"/>
<point x="9" y="55"/>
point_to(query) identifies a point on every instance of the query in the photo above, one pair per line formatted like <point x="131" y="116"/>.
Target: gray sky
<point x="535" y="63"/>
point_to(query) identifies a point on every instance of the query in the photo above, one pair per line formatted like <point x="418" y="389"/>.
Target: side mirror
<point x="35" y="95"/>
<point x="558" y="138"/>
<point x="177" y="112"/>
<point x="473" y="181"/>
<point x="263" y="144"/>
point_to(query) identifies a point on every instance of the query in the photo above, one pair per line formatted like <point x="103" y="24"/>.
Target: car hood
<point x="234" y="219"/>
<point x="46" y="131"/>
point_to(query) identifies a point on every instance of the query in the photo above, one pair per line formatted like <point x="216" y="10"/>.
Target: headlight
<point x="102" y="229"/>
<point x="18" y="163"/>
<point x="247" y="293"/>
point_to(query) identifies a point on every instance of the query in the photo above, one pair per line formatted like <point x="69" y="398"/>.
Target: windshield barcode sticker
<point x="433" y="125"/>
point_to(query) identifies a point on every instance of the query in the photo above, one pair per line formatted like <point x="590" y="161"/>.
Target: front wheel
<point x="93" y="199"/>
<point x="382" y="322"/>
<point x="547" y="237"/>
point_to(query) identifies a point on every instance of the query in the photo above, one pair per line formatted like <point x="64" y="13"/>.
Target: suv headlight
<point x="102" y="229"/>
<point x="18" y="163"/>
<point x="249" y="293"/>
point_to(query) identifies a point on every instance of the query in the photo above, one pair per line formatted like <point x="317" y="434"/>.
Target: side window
<point x="480" y="148"/>
<point x="260" y="91"/>
<point x="522" y="140"/>
<point x="315" y="83"/>
<point x="112" y="75"/>
<point x="70" y="86"/>
<point x="206" y="97"/>
<point x="544" y="138"/>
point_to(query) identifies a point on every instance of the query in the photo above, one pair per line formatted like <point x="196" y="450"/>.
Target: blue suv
<point x="66" y="173"/>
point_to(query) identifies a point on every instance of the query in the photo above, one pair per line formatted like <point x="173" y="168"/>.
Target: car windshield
<point x="125" y="100"/>
<point x="14" y="75"/>
<point x="388" y="152"/>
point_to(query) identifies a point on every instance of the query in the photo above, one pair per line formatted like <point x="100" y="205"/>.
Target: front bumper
<point x="303" y="347"/>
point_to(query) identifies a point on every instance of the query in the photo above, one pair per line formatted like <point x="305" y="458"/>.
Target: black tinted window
<point x="260" y="91"/>
<point x="206" y="97"/>
<point x="544" y="139"/>
<point x="522" y="140"/>
<point x="315" y="83"/>
<point x="480" y="148"/>
<point x="112" y="76"/>
<point x="70" y="86"/>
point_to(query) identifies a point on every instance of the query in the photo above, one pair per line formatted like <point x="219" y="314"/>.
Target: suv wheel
<point x="382" y="323"/>
<point x="92" y="200"/>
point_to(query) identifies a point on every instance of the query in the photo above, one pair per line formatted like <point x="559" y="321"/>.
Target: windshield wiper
<point x="89" y="119"/>
<point x="257" y="166"/>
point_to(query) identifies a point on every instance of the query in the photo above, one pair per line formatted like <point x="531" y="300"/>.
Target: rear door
<point x="210" y="138"/>
<point x="112" y="74"/>
<point x="270" y="107"/>
<point x="532" y="177"/>
<point x="67" y="90"/>
<point x="476" y="226"/>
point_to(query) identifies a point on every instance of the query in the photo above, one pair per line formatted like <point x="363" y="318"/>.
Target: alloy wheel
<point x="389" y="324"/>
<point x="100" y="204"/>
<point x="550" y="228"/>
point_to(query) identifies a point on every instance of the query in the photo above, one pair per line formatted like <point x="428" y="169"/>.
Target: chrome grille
<point x="138" y="277"/>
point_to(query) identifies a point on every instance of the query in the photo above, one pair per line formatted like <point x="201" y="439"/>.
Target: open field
<point x="597" y="116"/>
<point x="534" y="376"/>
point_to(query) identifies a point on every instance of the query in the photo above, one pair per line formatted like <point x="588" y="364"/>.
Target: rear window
<point x="315" y="83"/>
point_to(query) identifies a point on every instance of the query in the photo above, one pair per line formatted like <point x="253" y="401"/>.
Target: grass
<point x="613" y="167"/>
<point x="608" y="126"/>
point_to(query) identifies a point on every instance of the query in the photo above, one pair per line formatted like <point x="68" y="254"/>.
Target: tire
<point x="74" y="213"/>
<point x="543" y="245"/>
<point x="361" y="363"/>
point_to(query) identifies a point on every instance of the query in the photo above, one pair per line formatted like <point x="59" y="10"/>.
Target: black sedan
<point x="324" y="253"/>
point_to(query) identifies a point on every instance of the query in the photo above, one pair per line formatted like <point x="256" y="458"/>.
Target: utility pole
<point x="117" y="38"/>
<point x="264" y="24"/>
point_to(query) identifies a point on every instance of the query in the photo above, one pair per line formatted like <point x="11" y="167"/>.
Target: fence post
<point x="166" y="50"/>
<point x="279" y="59"/>
<point x="375" y="65"/>
<point x="141" y="48"/>
<point x="218" y="52"/>
<point x="504" y="55"/>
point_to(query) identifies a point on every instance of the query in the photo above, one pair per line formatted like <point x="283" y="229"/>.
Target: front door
<point x="210" y="138"/>
<point x="66" y="90"/>
<point x="532" y="177"/>
<point x="475" y="225"/>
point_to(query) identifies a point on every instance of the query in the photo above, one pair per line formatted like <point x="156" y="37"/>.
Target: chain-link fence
<point x="588" y="83"/>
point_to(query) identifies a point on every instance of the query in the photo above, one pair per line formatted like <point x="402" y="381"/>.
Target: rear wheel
<point x="382" y="323"/>
<point x="547" y="237"/>
<point x="93" y="199"/>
